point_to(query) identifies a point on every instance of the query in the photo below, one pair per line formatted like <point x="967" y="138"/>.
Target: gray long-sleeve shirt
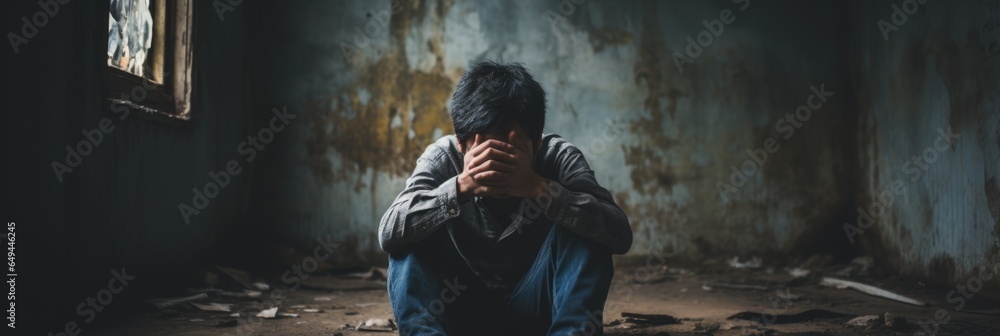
<point x="494" y="244"/>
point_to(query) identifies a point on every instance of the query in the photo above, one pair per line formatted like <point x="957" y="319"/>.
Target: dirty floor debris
<point x="712" y="298"/>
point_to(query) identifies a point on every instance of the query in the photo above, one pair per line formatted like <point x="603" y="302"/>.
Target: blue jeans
<point x="433" y="292"/>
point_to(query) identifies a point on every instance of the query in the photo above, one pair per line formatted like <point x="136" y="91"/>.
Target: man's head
<point x="493" y="98"/>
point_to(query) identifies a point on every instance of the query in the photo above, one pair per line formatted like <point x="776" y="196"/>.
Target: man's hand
<point x="497" y="168"/>
<point x="494" y="154"/>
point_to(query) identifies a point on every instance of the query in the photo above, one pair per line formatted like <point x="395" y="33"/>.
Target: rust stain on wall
<point x="993" y="203"/>
<point x="907" y="83"/>
<point x="648" y="173"/>
<point x="659" y="161"/>
<point x="962" y="67"/>
<point x="369" y="122"/>
<point x="939" y="78"/>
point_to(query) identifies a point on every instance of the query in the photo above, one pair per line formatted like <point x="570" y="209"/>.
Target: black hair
<point x="491" y="96"/>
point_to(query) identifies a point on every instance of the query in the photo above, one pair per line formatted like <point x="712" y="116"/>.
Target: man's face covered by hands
<point x="500" y="164"/>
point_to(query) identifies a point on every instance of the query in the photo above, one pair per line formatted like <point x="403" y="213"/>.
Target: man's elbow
<point x="386" y="245"/>
<point x="385" y="239"/>
<point x="623" y="243"/>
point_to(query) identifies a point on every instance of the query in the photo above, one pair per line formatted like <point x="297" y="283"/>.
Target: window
<point x="148" y="57"/>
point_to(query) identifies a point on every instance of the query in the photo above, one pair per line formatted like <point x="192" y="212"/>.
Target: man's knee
<point x="568" y="239"/>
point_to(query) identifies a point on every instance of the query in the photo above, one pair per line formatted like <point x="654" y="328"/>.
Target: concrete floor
<point x="678" y="291"/>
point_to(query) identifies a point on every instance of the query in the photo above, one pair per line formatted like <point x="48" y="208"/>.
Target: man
<point x="501" y="230"/>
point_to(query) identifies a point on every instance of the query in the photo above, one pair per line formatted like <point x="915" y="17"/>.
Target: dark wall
<point x="119" y="207"/>
<point x="933" y="199"/>
<point x="662" y="138"/>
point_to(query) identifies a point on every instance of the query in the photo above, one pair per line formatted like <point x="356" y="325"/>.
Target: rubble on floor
<point x="376" y="325"/>
<point x="234" y="298"/>
<point x="710" y="298"/>
<point x="869" y="289"/>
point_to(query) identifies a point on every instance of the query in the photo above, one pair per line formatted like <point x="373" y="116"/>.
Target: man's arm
<point x="428" y="201"/>
<point x="434" y="193"/>
<point x="579" y="203"/>
<point x="575" y="201"/>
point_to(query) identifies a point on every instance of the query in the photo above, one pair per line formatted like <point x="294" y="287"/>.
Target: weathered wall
<point x="660" y="139"/>
<point x="936" y="72"/>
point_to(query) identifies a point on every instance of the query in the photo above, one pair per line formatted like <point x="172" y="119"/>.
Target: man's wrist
<point x="540" y="187"/>
<point x="463" y="186"/>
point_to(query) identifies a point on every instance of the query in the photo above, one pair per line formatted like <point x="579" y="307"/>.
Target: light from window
<point x="130" y="36"/>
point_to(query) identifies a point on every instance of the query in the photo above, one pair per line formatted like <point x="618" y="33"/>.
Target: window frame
<point x="170" y="101"/>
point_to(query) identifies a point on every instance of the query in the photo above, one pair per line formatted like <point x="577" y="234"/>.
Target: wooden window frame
<point x="169" y="101"/>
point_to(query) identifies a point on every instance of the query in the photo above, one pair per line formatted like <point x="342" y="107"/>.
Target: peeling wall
<point x="658" y="138"/>
<point x="662" y="140"/>
<point x="936" y="72"/>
